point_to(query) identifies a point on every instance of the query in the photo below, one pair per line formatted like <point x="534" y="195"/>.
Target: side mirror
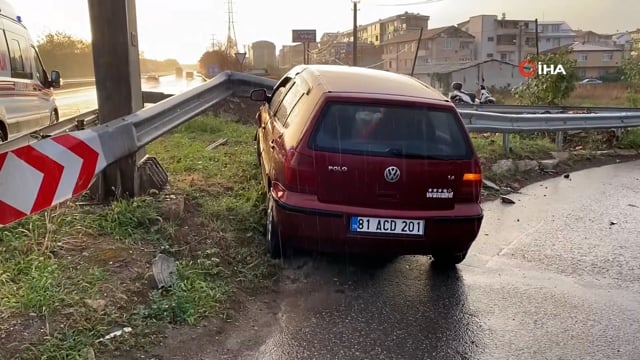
<point x="259" y="95"/>
<point x="55" y="79"/>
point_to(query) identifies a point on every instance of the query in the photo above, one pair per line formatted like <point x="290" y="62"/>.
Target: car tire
<point x="272" y="233"/>
<point x="53" y="118"/>
<point x="448" y="259"/>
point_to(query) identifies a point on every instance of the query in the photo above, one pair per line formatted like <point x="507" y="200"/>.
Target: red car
<point x="366" y="161"/>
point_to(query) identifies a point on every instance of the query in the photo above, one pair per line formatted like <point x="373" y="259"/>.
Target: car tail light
<point x="471" y="186"/>
<point x="299" y="173"/>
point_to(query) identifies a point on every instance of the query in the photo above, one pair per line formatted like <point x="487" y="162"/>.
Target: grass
<point x="490" y="146"/>
<point x="70" y="275"/>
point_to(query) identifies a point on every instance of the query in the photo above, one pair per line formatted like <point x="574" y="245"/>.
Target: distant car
<point x="366" y="161"/>
<point x="189" y="75"/>
<point x="591" y="81"/>
<point x="152" y="78"/>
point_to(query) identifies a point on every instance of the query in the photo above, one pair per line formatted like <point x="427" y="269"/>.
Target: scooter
<point x="485" y="96"/>
<point x="459" y="96"/>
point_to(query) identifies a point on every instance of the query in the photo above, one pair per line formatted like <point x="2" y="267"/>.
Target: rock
<point x="549" y="164"/>
<point x="526" y="165"/>
<point x="506" y="200"/>
<point x="560" y="155"/>
<point x="626" y="152"/>
<point x="503" y="166"/>
<point x="566" y="176"/>
<point x="515" y="186"/>
<point x="613" y="222"/>
<point x="97" y="305"/>
<point x="490" y="185"/>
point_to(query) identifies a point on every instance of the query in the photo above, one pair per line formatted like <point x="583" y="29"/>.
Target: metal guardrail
<point x="542" y="109"/>
<point x="78" y="122"/>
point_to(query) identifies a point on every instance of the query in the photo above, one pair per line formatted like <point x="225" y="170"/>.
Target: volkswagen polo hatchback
<point x="366" y="161"/>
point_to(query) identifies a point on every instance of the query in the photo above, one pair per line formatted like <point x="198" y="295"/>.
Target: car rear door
<point x="392" y="157"/>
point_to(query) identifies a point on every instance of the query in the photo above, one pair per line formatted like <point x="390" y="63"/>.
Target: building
<point x="553" y="34"/>
<point x="262" y="54"/>
<point x="591" y="37"/>
<point x="594" y="60"/>
<point x="503" y="39"/>
<point x="292" y="55"/>
<point x="448" y="44"/>
<point x="492" y="73"/>
<point x="336" y="47"/>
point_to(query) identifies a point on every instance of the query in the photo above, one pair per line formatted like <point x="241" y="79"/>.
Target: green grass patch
<point x="630" y="139"/>
<point x="56" y="266"/>
<point x="522" y="146"/>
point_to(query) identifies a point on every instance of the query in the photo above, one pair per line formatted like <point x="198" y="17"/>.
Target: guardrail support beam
<point x="506" y="143"/>
<point x="117" y="73"/>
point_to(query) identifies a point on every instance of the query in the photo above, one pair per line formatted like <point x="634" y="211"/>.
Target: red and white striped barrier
<point x="37" y="176"/>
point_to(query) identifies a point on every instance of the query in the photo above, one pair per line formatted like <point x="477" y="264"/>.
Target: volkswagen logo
<point x="392" y="174"/>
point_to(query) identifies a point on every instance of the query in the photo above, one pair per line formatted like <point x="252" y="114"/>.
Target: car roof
<point x="342" y="78"/>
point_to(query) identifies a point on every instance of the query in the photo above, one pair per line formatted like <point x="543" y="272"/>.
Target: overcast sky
<point x="183" y="29"/>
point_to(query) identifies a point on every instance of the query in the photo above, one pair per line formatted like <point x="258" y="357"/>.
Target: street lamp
<point x="355" y="31"/>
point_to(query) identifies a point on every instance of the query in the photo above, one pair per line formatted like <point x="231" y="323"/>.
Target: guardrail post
<point x="116" y="59"/>
<point x="506" y="144"/>
<point x="559" y="136"/>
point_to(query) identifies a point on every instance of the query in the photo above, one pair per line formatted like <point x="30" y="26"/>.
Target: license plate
<point x="387" y="226"/>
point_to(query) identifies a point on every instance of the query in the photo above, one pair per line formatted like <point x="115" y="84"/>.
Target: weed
<point x="630" y="139"/>
<point x="490" y="146"/>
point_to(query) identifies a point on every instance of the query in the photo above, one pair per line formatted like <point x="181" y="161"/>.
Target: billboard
<point x="303" y="36"/>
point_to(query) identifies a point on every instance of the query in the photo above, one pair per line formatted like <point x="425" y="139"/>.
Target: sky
<point x="184" y="29"/>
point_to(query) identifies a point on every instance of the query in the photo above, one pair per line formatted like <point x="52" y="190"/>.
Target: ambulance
<point x="27" y="102"/>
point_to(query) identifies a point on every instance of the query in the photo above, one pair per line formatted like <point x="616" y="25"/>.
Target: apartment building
<point x="592" y="37"/>
<point x="513" y="40"/>
<point x="594" y="60"/>
<point x="448" y="44"/>
<point x="552" y="34"/>
<point x="292" y="55"/>
<point x="634" y="41"/>
<point x="378" y="32"/>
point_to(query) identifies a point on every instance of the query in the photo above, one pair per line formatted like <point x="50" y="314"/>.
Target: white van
<point x="27" y="102"/>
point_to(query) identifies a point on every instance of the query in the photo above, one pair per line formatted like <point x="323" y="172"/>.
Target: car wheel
<point x="3" y="136"/>
<point x="272" y="232"/>
<point x="53" y="118"/>
<point x="448" y="259"/>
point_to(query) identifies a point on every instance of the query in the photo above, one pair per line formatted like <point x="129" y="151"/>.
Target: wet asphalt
<point x="554" y="276"/>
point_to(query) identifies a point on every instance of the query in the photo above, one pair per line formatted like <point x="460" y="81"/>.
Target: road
<point x="555" y="276"/>
<point x="75" y="101"/>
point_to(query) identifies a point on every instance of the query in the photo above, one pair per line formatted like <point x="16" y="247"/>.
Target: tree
<point x="70" y="55"/>
<point x="549" y="89"/>
<point x="220" y="59"/>
<point x="631" y="74"/>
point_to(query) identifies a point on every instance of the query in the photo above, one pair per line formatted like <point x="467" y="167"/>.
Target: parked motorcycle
<point x="485" y="96"/>
<point x="459" y="96"/>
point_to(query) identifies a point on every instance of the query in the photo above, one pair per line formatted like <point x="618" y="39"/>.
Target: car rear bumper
<point x="308" y="224"/>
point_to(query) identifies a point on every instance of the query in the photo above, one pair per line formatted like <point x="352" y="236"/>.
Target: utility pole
<point x="117" y="72"/>
<point x="415" y="56"/>
<point x="537" y="41"/>
<point x="355" y="32"/>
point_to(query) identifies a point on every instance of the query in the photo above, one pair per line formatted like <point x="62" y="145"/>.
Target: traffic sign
<point x="48" y="172"/>
<point x="241" y="56"/>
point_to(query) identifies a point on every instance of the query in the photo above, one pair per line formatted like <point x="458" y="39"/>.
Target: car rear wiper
<point x="411" y="155"/>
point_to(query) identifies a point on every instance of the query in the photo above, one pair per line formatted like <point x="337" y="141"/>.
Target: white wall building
<point x="491" y="73"/>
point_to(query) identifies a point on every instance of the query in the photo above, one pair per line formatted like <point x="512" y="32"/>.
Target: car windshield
<point x="395" y="131"/>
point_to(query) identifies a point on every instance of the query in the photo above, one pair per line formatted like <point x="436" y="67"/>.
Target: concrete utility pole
<point x="355" y="32"/>
<point x="117" y="72"/>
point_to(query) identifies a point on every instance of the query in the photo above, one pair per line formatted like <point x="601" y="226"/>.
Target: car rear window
<point x="399" y="131"/>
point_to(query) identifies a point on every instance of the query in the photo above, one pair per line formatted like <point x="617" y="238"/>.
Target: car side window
<point x="20" y="64"/>
<point x="289" y="102"/>
<point x="41" y="73"/>
<point x="278" y="95"/>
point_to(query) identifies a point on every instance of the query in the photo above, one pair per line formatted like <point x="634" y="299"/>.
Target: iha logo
<point x="528" y="68"/>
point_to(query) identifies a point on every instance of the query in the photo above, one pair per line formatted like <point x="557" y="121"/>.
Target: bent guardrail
<point x="66" y="163"/>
